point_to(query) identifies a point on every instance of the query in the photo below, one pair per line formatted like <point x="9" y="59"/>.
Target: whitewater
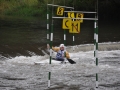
<point x="21" y="72"/>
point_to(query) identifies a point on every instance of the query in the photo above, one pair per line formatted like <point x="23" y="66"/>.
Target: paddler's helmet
<point x="62" y="45"/>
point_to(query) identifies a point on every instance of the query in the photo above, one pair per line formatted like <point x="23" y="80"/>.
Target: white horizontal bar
<point x="59" y="6"/>
<point x="75" y="18"/>
<point x="80" y="11"/>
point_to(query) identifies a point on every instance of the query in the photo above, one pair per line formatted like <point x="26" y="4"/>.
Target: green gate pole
<point x="96" y="48"/>
<point x="51" y="40"/>
<point x="96" y="52"/>
<point x="47" y="25"/>
<point x="73" y="33"/>
<point x="65" y="37"/>
<point x="49" y="74"/>
<point x="94" y="37"/>
<point x="73" y="41"/>
<point x="96" y="56"/>
<point x="64" y="29"/>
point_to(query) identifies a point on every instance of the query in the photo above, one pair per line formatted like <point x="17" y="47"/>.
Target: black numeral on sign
<point x="60" y="11"/>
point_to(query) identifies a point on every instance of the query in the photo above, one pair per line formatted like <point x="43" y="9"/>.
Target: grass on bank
<point x="22" y="8"/>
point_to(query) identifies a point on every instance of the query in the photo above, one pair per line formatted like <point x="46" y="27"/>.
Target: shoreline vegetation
<point x="22" y="8"/>
<point x="38" y="8"/>
<point x="25" y="8"/>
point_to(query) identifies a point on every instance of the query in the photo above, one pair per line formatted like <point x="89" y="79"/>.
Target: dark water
<point x="19" y="35"/>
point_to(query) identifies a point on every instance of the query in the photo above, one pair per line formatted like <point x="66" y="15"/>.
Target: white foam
<point x="82" y="57"/>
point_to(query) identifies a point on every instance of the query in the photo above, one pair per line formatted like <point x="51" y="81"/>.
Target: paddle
<point x="71" y="61"/>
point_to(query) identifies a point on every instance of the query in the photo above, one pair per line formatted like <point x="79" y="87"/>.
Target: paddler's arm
<point x="56" y="49"/>
<point x="53" y="48"/>
<point x="67" y="55"/>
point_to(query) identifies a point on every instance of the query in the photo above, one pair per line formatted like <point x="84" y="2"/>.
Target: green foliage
<point x="41" y="1"/>
<point x="26" y="11"/>
<point x="22" y="7"/>
<point x="38" y="7"/>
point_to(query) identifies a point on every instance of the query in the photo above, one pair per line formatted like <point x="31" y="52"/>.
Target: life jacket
<point x="64" y="52"/>
<point x="61" y="54"/>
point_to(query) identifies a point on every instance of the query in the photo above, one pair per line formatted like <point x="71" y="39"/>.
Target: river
<point x="21" y="42"/>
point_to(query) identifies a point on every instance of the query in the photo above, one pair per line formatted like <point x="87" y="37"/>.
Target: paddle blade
<point x="71" y="61"/>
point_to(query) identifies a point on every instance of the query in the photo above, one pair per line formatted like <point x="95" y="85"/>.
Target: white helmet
<point x="62" y="45"/>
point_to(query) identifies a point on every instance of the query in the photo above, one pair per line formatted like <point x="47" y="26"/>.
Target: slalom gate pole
<point x="48" y="40"/>
<point x="94" y="36"/>
<point x="64" y="30"/>
<point x="96" y="46"/>
<point x="51" y="40"/>
<point x="73" y="33"/>
<point x="96" y="56"/>
<point x="47" y="24"/>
